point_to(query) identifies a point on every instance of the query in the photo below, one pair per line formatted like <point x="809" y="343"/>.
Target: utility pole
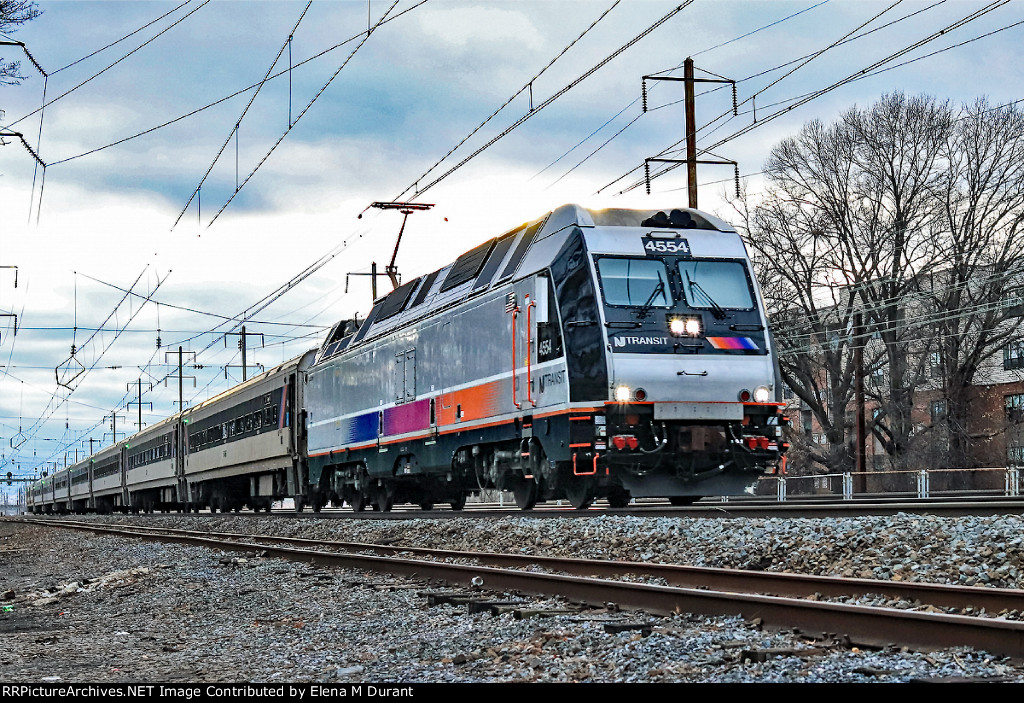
<point x="691" y="159"/>
<point x="139" y="402"/>
<point x="181" y="377"/>
<point x="243" y="346"/>
<point x="11" y="314"/>
<point x="113" y="425"/>
<point x="858" y="363"/>
<point x="373" y="278"/>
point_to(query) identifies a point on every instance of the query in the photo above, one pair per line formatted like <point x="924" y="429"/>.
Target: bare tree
<point x="846" y="230"/>
<point x="907" y="215"/>
<point x="982" y="248"/>
<point x="899" y="164"/>
<point x="13" y="14"/>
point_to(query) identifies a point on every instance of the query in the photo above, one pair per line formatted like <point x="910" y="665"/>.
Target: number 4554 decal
<point x="666" y="245"/>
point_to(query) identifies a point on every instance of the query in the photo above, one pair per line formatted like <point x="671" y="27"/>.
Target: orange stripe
<point x="477" y="427"/>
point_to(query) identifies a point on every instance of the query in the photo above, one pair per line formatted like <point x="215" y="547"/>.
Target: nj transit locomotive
<point x="589" y="354"/>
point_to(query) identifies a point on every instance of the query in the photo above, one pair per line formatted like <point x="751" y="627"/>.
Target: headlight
<point x="685" y="326"/>
<point x="762" y="394"/>
<point x="623" y="393"/>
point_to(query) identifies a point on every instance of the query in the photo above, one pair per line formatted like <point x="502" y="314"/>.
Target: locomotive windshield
<point x="642" y="282"/>
<point x="716" y="284"/>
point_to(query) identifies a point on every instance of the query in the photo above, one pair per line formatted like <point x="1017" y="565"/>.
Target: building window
<point x="1014" y="407"/>
<point x="1013" y="298"/>
<point x="935" y="364"/>
<point x="1015" y="454"/>
<point x="1013" y="355"/>
<point x="938" y="408"/>
<point x="877" y="377"/>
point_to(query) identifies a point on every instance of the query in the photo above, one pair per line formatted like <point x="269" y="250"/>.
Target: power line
<point x="560" y="93"/>
<point x="818" y="93"/>
<point x="527" y="85"/>
<point x="266" y="156"/>
<point x="234" y="132"/>
<point x="241" y="91"/>
<point x="126" y="36"/>
<point x="712" y="90"/>
<point x="104" y="70"/>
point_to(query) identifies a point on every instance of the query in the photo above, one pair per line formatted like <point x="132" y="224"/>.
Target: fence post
<point x="1011" y="487"/>
<point x="847" y="486"/>
<point x="781" y="487"/>
<point x="922" y="483"/>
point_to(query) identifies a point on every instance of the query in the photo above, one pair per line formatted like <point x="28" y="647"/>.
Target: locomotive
<point x="589" y="354"/>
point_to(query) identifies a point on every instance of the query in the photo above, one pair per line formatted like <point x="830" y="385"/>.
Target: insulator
<point x="643" y="93"/>
<point x="647" y="176"/>
<point x="734" y="106"/>
<point x="737" y="173"/>
<point x="158" y="342"/>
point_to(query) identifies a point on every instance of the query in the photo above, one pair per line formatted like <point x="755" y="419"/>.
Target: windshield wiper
<point x="646" y="307"/>
<point x="716" y="309"/>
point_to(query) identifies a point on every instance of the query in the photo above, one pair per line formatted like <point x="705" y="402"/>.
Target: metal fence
<point x="927" y="483"/>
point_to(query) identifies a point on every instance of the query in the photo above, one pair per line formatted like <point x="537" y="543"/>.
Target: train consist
<point x="590" y="354"/>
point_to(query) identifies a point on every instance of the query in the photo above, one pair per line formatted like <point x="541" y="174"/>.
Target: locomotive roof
<point x="500" y="260"/>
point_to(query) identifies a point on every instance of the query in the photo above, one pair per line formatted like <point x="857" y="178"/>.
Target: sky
<point x="128" y="129"/>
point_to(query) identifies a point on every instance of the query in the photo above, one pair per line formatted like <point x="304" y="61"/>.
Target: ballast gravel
<point x="76" y="607"/>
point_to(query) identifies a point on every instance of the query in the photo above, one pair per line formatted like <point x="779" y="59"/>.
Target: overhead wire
<point x="527" y="85"/>
<point x="225" y="98"/>
<point x="419" y="191"/>
<point x="369" y="32"/>
<point x="118" y="41"/>
<point x="717" y="88"/>
<point x="110" y="66"/>
<point x="816" y="94"/>
<point x="245" y="110"/>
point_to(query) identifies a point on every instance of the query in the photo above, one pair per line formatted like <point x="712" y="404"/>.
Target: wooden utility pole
<point x="690" y="127"/>
<point x="691" y="133"/>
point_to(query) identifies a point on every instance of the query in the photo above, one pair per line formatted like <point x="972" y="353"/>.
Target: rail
<point x="718" y="591"/>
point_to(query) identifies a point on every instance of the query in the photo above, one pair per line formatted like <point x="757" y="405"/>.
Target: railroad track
<point x="802" y="507"/>
<point x="778" y="600"/>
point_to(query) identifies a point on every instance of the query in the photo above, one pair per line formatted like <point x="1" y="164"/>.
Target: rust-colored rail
<point x="708" y="591"/>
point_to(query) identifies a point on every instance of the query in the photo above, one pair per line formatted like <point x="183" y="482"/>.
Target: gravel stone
<point x="86" y="608"/>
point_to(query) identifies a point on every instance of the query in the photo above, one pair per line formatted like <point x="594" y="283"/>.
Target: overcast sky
<point x="422" y="81"/>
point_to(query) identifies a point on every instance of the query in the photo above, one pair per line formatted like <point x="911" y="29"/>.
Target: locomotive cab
<point x="690" y="390"/>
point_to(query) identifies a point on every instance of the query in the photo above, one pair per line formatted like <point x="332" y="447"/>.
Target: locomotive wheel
<point x="384" y="500"/>
<point x="680" y="501"/>
<point x="427" y="505"/>
<point x="458" y="503"/>
<point x="580" y="494"/>
<point x="525" y="492"/>
<point x="358" y="502"/>
<point x="618" y="498"/>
